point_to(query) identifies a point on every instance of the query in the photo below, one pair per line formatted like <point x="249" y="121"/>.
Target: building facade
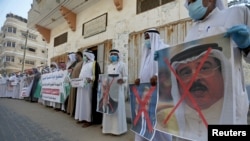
<point x="19" y="44"/>
<point x="238" y="2"/>
<point x="100" y="25"/>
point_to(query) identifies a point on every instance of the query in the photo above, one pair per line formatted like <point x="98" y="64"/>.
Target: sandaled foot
<point x="79" y="122"/>
<point x="87" y="124"/>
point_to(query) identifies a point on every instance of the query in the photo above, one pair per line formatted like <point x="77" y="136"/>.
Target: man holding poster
<point x="214" y="19"/>
<point x="201" y="88"/>
<point x="86" y="95"/>
<point x="114" y="123"/>
<point x="211" y="18"/>
<point x="148" y="66"/>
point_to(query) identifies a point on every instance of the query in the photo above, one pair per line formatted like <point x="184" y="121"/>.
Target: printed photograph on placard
<point x="143" y="100"/>
<point x="108" y="90"/>
<point x="196" y="87"/>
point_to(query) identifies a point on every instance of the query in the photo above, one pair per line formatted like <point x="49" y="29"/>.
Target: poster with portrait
<point x="143" y="100"/>
<point x="108" y="90"/>
<point x="27" y="85"/>
<point x="195" y="87"/>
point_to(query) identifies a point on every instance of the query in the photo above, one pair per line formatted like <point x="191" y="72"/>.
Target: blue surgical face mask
<point x="85" y="59"/>
<point x="197" y="10"/>
<point x="147" y="43"/>
<point x="113" y="58"/>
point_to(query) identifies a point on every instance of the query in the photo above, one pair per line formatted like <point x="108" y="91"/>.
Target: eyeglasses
<point x="205" y="71"/>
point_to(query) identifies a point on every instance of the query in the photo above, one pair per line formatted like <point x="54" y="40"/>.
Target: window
<point x="29" y="62"/>
<point x="30" y="36"/>
<point x="11" y="29"/>
<point x="31" y="50"/>
<point x="60" y="39"/>
<point x="10" y="44"/>
<point x="28" y="48"/>
<point x="10" y="59"/>
<point x="33" y="37"/>
<point x="43" y="51"/>
<point x="144" y="5"/>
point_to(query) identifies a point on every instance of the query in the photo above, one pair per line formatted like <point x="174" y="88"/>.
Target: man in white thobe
<point x="216" y="20"/>
<point x="212" y="18"/>
<point x="57" y="106"/>
<point x="3" y="85"/>
<point x="116" y="123"/>
<point x="84" y="93"/>
<point x="71" y="60"/>
<point x="149" y="67"/>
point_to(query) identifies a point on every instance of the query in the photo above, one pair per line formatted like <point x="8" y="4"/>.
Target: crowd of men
<point x="80" y="102"/>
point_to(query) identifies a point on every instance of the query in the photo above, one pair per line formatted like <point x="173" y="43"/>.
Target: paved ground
<point x="24" y="121"/>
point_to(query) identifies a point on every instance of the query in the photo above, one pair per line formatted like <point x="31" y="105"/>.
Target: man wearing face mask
<point x="86" y="99"/>
<point x="211" y="18"/>
<point x="116" y="123"/>
<point x="149" y="68"/>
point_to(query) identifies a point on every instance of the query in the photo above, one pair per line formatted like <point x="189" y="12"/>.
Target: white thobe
<point x="84" y="94"/>
<point x="2" y="86"/>
<point x="117" y="123"/>
<point x="21" y="84"/>
<point x="11" y="93"/>
<point x="16" y="88"/>
<point x="149" y="67"/>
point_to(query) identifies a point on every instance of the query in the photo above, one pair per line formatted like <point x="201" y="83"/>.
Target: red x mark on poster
<point x="106" y="94"/>
<point x="187" y="87"/>
<point x="142" y="106"/>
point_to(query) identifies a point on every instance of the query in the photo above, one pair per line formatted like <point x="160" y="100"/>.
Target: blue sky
<point x="17" y="7"/>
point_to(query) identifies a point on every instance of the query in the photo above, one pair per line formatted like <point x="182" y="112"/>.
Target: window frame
<point x="160" y="3"/>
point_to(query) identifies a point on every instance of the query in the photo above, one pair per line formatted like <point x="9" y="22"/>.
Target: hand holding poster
<point x="76" y="82"/>
<point x="27" y="85"/>
<point x="196" y="87"/>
